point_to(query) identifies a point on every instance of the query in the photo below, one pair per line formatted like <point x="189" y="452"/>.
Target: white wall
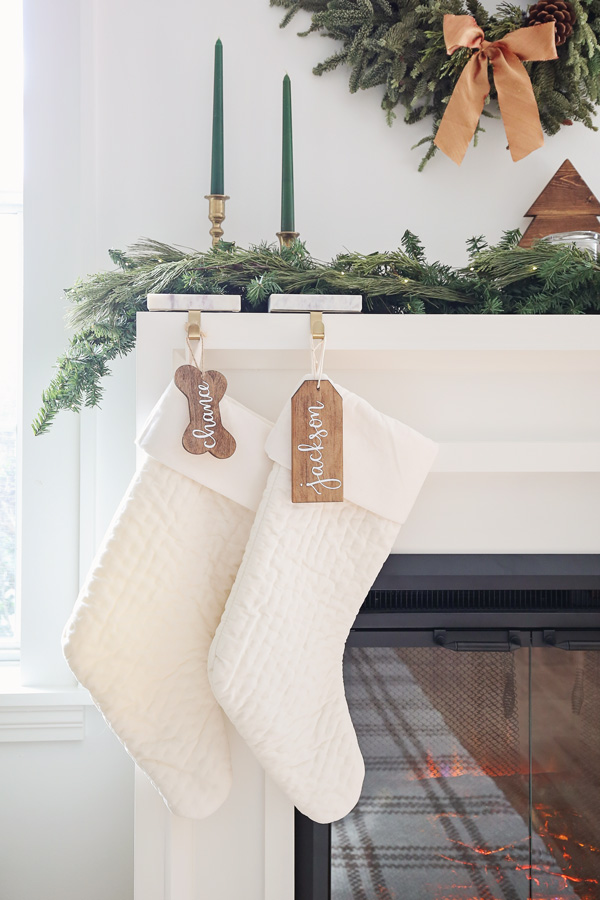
<point x="65" y="818"/>
<point x="356" y="180"/>
<point x="122" y="119"/>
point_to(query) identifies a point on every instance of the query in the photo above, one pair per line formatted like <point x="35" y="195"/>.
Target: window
<point x="11" y="295"/>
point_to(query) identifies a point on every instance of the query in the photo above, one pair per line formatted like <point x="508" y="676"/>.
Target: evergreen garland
<point x="400" y="45"/>
<point x="543" y="279"/>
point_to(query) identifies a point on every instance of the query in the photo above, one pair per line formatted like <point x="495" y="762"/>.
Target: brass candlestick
<point x="216" y="214"/>
<point x="287" y="238"/>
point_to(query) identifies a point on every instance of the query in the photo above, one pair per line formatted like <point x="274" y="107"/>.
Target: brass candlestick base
<point x="287" y="238"/>
<point x="216" y="214"/>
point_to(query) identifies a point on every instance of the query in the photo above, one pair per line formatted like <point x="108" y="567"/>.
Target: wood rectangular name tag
<point x="317" y="444"/>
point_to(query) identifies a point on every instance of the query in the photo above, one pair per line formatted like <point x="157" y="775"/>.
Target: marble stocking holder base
<point x="329" y="303"/>
<point x="185" y="302"/>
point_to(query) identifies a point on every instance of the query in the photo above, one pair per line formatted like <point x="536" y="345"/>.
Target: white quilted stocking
<point x="275" y="664"/>
<point x="140" y="632"/>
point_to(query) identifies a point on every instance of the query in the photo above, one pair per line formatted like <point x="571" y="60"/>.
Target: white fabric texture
<point x="275" y="664"/>
<point x="242" y="477"/>
<point x="385" y="461"/>
<point x="140" y="632"/>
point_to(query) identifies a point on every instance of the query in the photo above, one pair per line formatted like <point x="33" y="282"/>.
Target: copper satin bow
<point x="515" y="94"/>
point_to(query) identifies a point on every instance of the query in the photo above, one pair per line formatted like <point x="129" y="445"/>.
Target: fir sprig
<point x="545" y="279"/>
<point x="400" y="45"/>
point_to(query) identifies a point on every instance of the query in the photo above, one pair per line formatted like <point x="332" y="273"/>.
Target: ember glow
<point x="577" y="861"/>
<point x="483" y="851"/>
<point x="546" y="871"/>
<point x="451" y="767"/>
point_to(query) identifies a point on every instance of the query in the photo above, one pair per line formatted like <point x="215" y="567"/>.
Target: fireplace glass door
<point x="482" y="772"/>
<point x="565" y="764"/>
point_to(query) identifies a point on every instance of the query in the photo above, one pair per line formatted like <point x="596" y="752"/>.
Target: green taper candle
<point x="217" y="181"/>
<point x="287" y="161"/>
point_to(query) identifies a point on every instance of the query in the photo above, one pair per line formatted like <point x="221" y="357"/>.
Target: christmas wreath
<point x="401" y="45"/>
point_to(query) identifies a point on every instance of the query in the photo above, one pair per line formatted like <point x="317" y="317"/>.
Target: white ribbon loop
<point x="317" y="350"/>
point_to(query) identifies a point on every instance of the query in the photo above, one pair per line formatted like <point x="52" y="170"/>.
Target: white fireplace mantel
<point x="433" y="344"/>
<point x="513" y="403"/>
<point x="379" y="339"/>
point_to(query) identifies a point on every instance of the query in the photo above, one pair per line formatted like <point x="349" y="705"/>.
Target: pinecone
<point x="558" y="11"/>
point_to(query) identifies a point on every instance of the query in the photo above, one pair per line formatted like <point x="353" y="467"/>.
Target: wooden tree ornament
<point x="565" y="204"/>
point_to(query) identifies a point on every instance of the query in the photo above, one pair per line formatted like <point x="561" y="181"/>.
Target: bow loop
<point x="518" y="107"/>
<point x="461" y="31"/>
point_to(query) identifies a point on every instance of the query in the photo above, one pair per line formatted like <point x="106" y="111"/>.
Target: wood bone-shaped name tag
<point x="205" y="433"/>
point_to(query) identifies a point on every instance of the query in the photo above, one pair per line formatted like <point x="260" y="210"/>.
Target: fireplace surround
<point x="474" y="686"/>
<point x="507" y="397"/>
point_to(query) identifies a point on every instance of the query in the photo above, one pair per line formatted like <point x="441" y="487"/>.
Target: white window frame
<point x="11" y="204"/>
<point x="39" y="698"/>
<point x="52" y="213"/>
<point x="11" y="211"/>
<point x="65" y="502"/>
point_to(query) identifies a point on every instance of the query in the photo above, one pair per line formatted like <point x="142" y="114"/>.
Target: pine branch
<point x="544" y="279"/>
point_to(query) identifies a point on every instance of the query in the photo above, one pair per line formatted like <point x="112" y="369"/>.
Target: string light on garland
<point x="543" y="279"/>
<point x="400" y="44"/>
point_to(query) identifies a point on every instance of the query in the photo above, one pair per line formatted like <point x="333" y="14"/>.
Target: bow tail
<point x="517" y="104"/>
<point x="464" y="109"/>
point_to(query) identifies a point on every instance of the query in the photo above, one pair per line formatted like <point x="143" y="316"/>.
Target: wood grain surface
<point x="205" y="432"/>
<point x="565" y="204"/>
<point x="317" y="444"/>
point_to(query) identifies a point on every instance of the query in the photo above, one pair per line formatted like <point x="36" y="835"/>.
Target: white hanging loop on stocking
<point x="317" y="352"/>
<point x="317" y="346"/>
<point x="192" y="356"/>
